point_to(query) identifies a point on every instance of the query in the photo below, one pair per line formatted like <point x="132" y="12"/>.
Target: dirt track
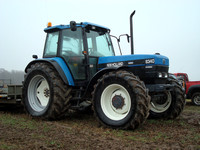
<point x="81" y="131"/>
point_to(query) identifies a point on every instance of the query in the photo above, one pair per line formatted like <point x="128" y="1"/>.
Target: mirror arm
<point x="118" y="40"/>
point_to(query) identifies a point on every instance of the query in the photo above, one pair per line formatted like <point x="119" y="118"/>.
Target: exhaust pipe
<point x="131" y="32"/>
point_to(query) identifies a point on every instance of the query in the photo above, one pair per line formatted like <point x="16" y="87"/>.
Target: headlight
<point x="162" y="75"/>
<point x="165" y="75"/>
<point x="159" y="75"/>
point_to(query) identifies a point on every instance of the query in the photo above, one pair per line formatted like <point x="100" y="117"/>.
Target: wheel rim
<point x="196" y="99"/>
<point x="115" y="102"/>
<point x="38" y="93"/>
<point x="159" y="107"/>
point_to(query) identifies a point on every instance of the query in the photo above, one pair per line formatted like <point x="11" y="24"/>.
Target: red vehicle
<point x="192" y="88"/>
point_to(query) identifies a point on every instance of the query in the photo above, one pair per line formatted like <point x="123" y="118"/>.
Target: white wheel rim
<point x="197" y="99"/>
<point x="38" y="93"/>
<point x="159" y="108"/>
<point x="115" y="102"/>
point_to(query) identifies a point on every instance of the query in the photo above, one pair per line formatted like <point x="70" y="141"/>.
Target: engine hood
<point x="135" y="60"/>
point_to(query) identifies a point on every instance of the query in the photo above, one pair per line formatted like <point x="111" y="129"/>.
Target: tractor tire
<point x="196" y="98"/>
<point x="120" y="100"/>
<point x="44" y="93"/>
<point x="172" y="103"/>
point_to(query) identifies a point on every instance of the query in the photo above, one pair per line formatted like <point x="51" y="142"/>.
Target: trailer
<point x="11" y="94"/>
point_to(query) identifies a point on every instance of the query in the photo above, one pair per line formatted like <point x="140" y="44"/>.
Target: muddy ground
<point x="82" y="131"/>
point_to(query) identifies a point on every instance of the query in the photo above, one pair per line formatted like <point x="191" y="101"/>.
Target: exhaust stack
<point x="131" y="32"/>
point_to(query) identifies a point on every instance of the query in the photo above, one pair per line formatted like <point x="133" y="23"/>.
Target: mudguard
<point x="59" y="65"/>
<point x="98" y="75"/>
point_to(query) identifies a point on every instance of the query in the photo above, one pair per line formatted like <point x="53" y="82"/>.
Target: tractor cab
<point x="80" y="46"/>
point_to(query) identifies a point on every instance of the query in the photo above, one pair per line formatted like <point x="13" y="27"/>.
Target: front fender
<point x="59" y="65"/>
<point x="98" y="75"/>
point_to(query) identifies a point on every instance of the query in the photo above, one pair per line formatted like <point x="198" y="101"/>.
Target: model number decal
<point x="150" y="61"/>
<point x="118" y="64"/>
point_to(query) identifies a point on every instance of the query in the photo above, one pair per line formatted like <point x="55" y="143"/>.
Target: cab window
<point x="51" y="44"/>
<point x="71" y="50"/>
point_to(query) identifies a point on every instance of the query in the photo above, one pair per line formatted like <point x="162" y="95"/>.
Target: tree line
<point x="11" y="77"/>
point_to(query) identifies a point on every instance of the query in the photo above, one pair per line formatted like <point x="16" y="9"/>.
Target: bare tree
<point x="12" y="77"/>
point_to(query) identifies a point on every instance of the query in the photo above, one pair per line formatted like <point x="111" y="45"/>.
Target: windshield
<point x="99" y="43"/>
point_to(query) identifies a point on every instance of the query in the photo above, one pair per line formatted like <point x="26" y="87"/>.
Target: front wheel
<point x="196" y="98"/>
<point x="168" y="104"/>
<point x="120" y="100"/>
<point x="160" y="102"/>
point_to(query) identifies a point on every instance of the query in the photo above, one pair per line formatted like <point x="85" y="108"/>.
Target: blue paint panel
<point x="83" y="24"/>
<point x="92" y="24"/>
<point x="112" y="59"/>
<point x="65" y="69"/>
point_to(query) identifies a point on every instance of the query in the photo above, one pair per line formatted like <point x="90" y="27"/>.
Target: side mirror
<point x="124" y="35"/>
<point x="35" y="56"/>
<point x="73" y="25"/>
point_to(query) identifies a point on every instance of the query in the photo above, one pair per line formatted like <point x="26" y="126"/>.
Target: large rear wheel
<point x="38" y="93"/>
<point x="120" y="100"/>
<point x="44" y="93"/>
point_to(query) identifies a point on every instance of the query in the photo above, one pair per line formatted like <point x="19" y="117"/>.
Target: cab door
<point x="71" y="47"/>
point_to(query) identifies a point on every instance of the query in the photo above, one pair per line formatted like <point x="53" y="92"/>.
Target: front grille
<point x="149" y="75"/>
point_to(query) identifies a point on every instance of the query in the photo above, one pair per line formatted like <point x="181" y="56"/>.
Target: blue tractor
<point x="79" y="69"/>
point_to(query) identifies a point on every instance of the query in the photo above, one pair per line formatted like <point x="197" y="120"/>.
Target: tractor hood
<point x="133" y="60"/>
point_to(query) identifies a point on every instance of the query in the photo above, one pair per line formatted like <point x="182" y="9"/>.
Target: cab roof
<point x="82" y="24"/>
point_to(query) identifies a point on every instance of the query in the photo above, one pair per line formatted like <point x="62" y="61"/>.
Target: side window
<point x="51" y="44"/>
<point x="72" y="44"/>
<point x="89" y="40"/>
<point x="90" y="46"/>
<point x="103" y="45"/>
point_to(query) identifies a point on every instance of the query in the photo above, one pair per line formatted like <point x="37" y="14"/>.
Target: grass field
<point x="82" y="131"/>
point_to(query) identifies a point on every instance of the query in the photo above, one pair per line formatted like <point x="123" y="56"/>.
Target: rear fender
<point x="59" y="65"/>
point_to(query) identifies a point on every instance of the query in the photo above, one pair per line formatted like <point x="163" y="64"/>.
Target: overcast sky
<point x="170" y="27"/>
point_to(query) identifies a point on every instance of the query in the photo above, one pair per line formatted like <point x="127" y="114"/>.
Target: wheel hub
<point x="118" y="101"/>
<point x="46" y="92"/>
<point x="161" y="99"/>
<point x="115" y="102"/>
